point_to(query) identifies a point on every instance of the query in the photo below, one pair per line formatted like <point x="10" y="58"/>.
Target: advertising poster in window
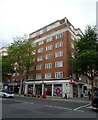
<point x="58" y="91"/>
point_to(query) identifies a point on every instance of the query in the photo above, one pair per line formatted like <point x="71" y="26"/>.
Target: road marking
<point x="20" y="101"/>
<point x="58" y="107"/>
<point x="91" y="107"/>
<point x="23" y="101"/>
<point x="79" y="110"/>
<point x="48" y="106"/>
<point x="82" y="106"/>
<point x="62" y="108"/>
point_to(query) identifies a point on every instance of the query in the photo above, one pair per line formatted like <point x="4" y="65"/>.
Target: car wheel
<point x="4" y="96"/>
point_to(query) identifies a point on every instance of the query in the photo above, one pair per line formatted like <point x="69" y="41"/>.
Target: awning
<point x="48" y="82"/>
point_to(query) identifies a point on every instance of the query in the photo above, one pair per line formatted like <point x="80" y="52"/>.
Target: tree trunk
<point x="92" y="86"/>
<point x="20" y="89"/>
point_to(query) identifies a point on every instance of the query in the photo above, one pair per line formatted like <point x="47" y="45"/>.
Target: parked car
<point x="4" y="94"/>
<point x="95" y="100"/>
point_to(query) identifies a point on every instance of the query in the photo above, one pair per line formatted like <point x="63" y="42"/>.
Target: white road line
<point x="79" y="110"/>
<point x="48" y="106"/>
<point x="82" y="106"/>
<point x="20" y="101"/>
<point x="23" y="102"/>
<point x="91" y="107"/>
<point x="58" y="107"/>
<point x="62" y="108"/>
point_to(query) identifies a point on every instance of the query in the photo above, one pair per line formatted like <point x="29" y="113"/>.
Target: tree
<point x="20" y="53"/>
<point x="7" y="68"/>
<point x="86" y="56"/>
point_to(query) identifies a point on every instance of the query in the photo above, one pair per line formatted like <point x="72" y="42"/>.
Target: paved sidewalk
<point x="75" y="99"/>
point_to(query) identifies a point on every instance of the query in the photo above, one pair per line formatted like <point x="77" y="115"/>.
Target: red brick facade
<point x="65" y="48"/>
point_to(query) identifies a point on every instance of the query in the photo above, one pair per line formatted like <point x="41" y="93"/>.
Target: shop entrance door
<point x="75" y="91"/>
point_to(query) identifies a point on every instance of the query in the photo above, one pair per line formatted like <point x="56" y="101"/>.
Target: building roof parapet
<point x="54" y="25"/>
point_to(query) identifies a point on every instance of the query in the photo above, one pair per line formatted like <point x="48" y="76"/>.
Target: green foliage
<point x="20" y="54"/>
<point x="86" y="57"/>
<point x="6" y="67"/>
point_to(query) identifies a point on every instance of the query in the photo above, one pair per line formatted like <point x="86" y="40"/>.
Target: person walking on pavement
<point x="65" y="94"/>
<point x="89" y="94"/>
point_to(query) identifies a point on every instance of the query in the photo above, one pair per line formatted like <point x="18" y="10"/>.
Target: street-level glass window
<point x="59" y="54"/>
<point x="59" y="75"/>
<point x="41" y="42"/>
<point x="59" y="44"/>
<point x="49" y="47"/>
<point x="49" y="39"/>
<point x="59" y="64"/>
<point x="38" y="76"/>
<point x="39" y="67"/>
<point x="48" y="66"/>
<point x="40" y="58"/>
<point x="40" y="50"/>
<point x="59" y="36"/>
<point x="48" y="76"/>
<point x="48" y="56"/>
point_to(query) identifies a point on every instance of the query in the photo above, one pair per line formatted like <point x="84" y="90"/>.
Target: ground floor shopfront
<point x="56" y="88"/>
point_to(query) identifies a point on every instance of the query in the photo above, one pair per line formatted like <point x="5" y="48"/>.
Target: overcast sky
<point x="18" y="17"/>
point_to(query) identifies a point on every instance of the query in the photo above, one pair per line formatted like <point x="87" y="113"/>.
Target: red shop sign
<point x="58" y="91"/>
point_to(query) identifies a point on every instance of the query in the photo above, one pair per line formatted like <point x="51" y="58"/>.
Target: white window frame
<point x="72" y="45"/>
<point x="49" y="39"/>
<point x="72" y="55"/>
<point x="39" y="67"/>
<point x="48" y="75"/>
<point x="30" y="77"/>
<point x="31" y="68"/>
<point x="58" y="54"/>
<point x="48" y="66"/>
<point x="33" y="52"/>
<point x="40" y="50"/>
<point x="34" y="44"/>
<point x="59" y="44"/>
<point x="49" y="47"/>
<point x="38" y="76"/>
<point x="57" y="75"/>
<point x="49" y="56"/>
<point x="60" y="35"/>
<point x="41" y="42"/>
<point x="40" y="58"/>
<point x="59" y="64"/>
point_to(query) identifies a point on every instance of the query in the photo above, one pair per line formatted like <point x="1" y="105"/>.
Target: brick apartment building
<point x="54" y="44"/>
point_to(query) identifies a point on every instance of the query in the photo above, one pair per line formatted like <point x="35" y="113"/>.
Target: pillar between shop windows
<point x="42" y="89"/>
<point x="52" y="89"/>
<point x="63" y="90"/>
<point x="33" y="88"/>
<point x="26" y="89"/>
<point x="78" y="91"/>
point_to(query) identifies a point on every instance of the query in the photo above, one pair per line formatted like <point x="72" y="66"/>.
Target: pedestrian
<point x="65" y="94"/>
<point x="89" y="94"/>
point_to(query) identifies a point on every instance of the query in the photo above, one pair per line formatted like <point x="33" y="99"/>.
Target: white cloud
<point x="25" y="16"/>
